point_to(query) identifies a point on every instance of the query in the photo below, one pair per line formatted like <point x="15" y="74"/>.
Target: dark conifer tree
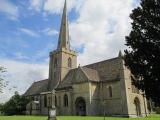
<point x="143" y="54"/>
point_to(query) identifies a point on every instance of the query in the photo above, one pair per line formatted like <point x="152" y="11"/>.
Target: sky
<point x="29" y="31"/>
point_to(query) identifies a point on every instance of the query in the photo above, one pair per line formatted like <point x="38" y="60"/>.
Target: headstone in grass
<point x="52" y="113"/>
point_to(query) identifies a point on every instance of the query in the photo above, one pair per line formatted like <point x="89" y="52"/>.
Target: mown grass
<point x="151" y="117"/>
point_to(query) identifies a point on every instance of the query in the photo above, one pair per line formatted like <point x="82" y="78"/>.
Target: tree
<point x="143" y="55"/>
<point x="2" y="84"/>
<point x="15" y="106"/>
<point x="1" y="105"/>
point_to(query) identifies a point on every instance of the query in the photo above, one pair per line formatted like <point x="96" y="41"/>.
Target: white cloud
<point x="101" y="27"/>
<point x="54" y="6"/>
<point x="29" y="32"/>
<point x="20" y="56"/>
<point x="43" y="52"/>
<point x="32" y="33"/>
<point x="50" y="31"/>
<point x="9" y="9"/>
<point x="36" y="4"/>
<point x="21" y="75"/>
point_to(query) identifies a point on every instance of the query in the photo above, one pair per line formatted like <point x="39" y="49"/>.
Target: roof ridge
<point x="101" y="61"/>
<point x="84" y="73"/>
<point x="89" y="71"/>
<point x="40" y="81"/>
<point x="89" y="68"/>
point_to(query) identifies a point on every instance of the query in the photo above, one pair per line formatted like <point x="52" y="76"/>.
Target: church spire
<point x="63" y="41"/>
<point x="120" y="54"/>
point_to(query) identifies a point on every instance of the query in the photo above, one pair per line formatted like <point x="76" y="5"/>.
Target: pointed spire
<point x="63" y="41"/>
<point x="120" y="53"/>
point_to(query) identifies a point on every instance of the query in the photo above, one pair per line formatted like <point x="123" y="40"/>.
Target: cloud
<point x="32" y="33"/>
<point x="54" y="6"/>
<point x="36" y="4"/>
<point x="20" y="56"/>
<point x="21" y="75"/>
<point x="43" y="53"/>
<point x="101" y="25"/>
<point x="50" y="31"/>
<point x="29" y="32"/>
<point x="9" y="9"/>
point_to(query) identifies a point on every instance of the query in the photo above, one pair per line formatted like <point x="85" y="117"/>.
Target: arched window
<point x="110" y="91"/>
<point x="69" y="62"/>
<point x="49" y="101"/>
<point x="55" y="100"/>
<point x="65" y="100"/>
<point x="137" y="106"/>
<point x="45" y="100"/>
<point x="55" y="62"/>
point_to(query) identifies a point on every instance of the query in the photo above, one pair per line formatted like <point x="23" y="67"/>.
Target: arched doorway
<point x="80" y="105"/>
<point x="137" y="107"/>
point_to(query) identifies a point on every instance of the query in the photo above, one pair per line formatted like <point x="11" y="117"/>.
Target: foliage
<point x="1" y="105"/>
<point x="143" y="55"/>
<point x="2" y="84"/>
<point x="15" y="106"/>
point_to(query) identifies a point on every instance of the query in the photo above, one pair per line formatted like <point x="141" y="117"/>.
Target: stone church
<point x="102" y="88"/>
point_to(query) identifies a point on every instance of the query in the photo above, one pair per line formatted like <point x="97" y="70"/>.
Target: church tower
<point x="63" y="58"/>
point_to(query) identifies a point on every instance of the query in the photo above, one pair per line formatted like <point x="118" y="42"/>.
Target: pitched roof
<point x="109" y="69"/>
<point x="67" y="81"/>
<point x="91" y="74"/>
<point x="104" y="71"/>
<point x="37" y="88"/>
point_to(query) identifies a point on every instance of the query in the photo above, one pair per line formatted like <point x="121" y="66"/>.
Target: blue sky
<point x="29" y="35"/>
<point x="29" y="31"/>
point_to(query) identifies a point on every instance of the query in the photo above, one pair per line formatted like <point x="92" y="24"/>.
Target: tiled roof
<point x="108" y="70"/>
<point x="37" y="88"/>
<point x="91" y="74"/>
<point x="68" y="79"/>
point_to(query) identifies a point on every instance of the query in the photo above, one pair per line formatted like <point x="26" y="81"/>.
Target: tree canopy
<point x="143" y="54"/>
<point x="2" y="83"/>
<point x="15" y="106"/>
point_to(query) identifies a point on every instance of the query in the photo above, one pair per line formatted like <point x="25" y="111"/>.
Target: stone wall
<point x="60" y="107"/>
<point x="58" y="66"/>
<point x="131" y="96"/>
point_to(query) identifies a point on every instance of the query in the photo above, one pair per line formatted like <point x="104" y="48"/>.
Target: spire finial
<point x="120" y="53"/>
<point x="63" y="41"/>
<point x="65" y="5"/>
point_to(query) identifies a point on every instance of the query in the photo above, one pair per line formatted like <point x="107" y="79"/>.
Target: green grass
<point x="151" y="117"/>
<point x="23" y="118"/>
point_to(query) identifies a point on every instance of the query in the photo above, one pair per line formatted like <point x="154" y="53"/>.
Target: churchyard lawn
<point x="152" y="117"/>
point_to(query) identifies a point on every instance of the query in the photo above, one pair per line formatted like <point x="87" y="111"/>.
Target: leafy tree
<point x="2" y="84"/>
<point x="143" y="55"/>
<point x="15" y="106"/>
<point x="1" y="105"/>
